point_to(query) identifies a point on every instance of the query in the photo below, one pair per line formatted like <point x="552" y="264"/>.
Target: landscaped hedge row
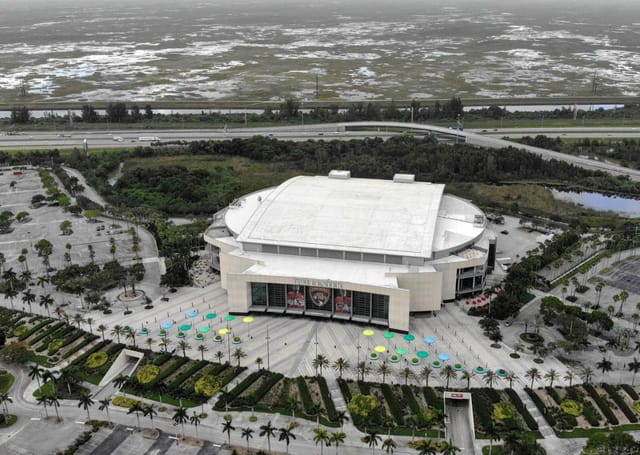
<point x="67" y="341"/>
<point x="227" y="374"/>
<point x="631" y="392"/>
<point x="34" y="329"/>
<point x="237" y="390"/>
<point x="433" y="400"/>
<point x="407" y="392"/>
<point x="482" y="407"/>
<point x="520" y="407"/>
<point x="88" y="338"/>
<point x="613" y="393"/>
<point x="365" y="387"/>
<point x="590" y="414"/>
<point x="47" y="332"/>
<point x="161" y="358"/>
<point x="602" y="404"/>
<point x="551" y="420"/>
<point x="180" y="378"/>
<point x="553" y="393"/>
<point x="81" y="360"/>
<point x="332" y="414"/>
<point x="178" y="362"/>
<point x="269" y="379"/>
<point x="305" y="395"/>
<point x="395" y="406"/>
<point x="344" y="388"/>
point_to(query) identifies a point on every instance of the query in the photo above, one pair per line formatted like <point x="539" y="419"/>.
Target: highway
<point x="326" y="131"/>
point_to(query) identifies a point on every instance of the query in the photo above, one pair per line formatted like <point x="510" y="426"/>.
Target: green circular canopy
<point x="401" y="351"/>
<point x="185" y="327"/>
<point x="388" y="335"/>
<point x="211" y="316"/>
<point x="368" y="332"/>
<point x="229" y="317"/>
<point x="409" y="337"/>
<point x="422" y="354"/>
<point x="204" y="329"/>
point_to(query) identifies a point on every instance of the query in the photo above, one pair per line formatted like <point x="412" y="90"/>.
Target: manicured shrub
<point x="504" y="410"/>
<point x="34" y="329"/>
<point x="524" y="412"/>
<point x="602" y="404"/>
<point x="630" y="391"/>
<point x="553" y="393"/>
<point x="237" y="390"/>
<point x="207" y="386"/>
<point x="123" y="402"/>
<point x="147" y="373"/>
<point x="622" y="405"/>
<point x="546" y="412"/>
<point x="407" y="392"/>
<point x="332" y="415"/>
<point x="305" y="396"/>
<point x="571" y="407"/>
<point x="592" y="416"/>
<point x="394" y="403"/>
<point x="97" y="359"/>
<point x="344" y="388"/>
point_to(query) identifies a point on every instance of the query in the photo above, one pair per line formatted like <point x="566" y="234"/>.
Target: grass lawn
<point x="12" y="419"/>
<point x="6" y="381"/>
<point x="47" y="389"/>
<point x="495" y="450"/>
<point x="586" y="433"/>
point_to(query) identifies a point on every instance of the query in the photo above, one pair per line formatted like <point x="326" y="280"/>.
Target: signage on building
<point x="317" y="283"/>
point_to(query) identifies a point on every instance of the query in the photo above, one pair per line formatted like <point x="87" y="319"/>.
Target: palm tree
<point x="28" y="297"/>
<point x="320" y="436"/>
<point x="407" y="373"/>
<point x="102" y="328"/>
<point x="425" y="447"/>
<point x="493" y="433"/>
<point x="624" y="295"/>
<point x="181" y="417"/>
<point x="228" y="428"/>
<point x="69" y="376"/>
<point x="389" y="445"/>
<point x="552" y="375"/>
<point x="247" y="433"/>
<point x="372" y="439"/>
<point x="35" y="372"/>
<point x="319" y="363"/>
<point x="136" y="407"/>
<point x="43" y="400"/>
<point x="363" y="369"/>
<point x="337" y="438"/>
<point x="599" y="287"/>
<point x="286" y="434"/>
<point x="195" y="421"/>
<point x="53" y="401"/>
<point x="42" y="281"/>
<point x="150" y="410"/>
<point x="4" y="399"/>
<point x="384" y="370"/>
<point x="340" y="365"/>
<point x="341" y="417"/>
<point x="586" y="374"/>
<point x="268" y="431"/>
<point x="489" y="377"/>
<point x="425" y="373"/>
<point x="533" y="374"/>
<point x="449" y="449"/>
<point x="219" y="355"/>
<point x="511" y="376"/>
<point x="119" y="381"/>
<point x="466" y="376"/>
<point x="239" y="354"/>
<point x="131" y="335"/>
<point x="104" y="406"/>
<point x="182" y="344"/>
<point x="202" y="348"/>
<point x="259" y="362"/>
<point x="448" y="373"/>
<point x="78" y="319"/>
<point x="47" y="301"/>
<point x="164" y="344"/>
<point x="604" y="365"/>
<point x="117" y="331"/>
<point x="85" y="402"/>
<point x="569" y="377"/>
<point x="634" y="367"/>
<point x="149" y="342"/>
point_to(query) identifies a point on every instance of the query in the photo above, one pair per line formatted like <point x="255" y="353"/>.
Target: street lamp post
<point x="268" y="338"/>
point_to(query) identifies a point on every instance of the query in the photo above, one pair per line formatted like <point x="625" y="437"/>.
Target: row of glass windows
<point x="321" y="253"/>
<point x="314" y="298"/>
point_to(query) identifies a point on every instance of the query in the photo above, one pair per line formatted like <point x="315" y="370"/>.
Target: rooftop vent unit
<point x="404" y="178"/>
<point x="341" y="175"/>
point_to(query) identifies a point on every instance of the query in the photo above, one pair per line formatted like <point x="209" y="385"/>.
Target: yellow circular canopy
<point x="380" y="349"/>
<point x="247" y="319"/>
<point x="368" y="332"/>
<point x="224" y="331"/>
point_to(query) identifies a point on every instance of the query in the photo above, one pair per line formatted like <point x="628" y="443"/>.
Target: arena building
<point x="366" y="250"/>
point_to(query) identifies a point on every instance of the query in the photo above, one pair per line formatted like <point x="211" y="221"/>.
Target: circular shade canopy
<point x="444" y="357"/>
<point x="401" y="351"/>
<point x="248" y="319"/>
<point x="422" y="354"/>
<point x="368" y="332"/>
<point x="204" y="329"/>
<point x="167" y="325"/>
<point x="388" y="335"/>
<point x="409" y="337"/>
<point x="211" y="316"/>
<point x="192" y="314"/>
<point x="185" y="327"/>
<point x="380" y="349"/>
<point x="429" y="340"/>
<point x="224" y="331"/>
<point x="229" y="317"/>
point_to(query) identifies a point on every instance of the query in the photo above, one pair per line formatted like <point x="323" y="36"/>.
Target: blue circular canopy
<point x="167" y="325"/>
<point x="192" y="314"/>
<point x="429" y="340"/>
<point x="444" y="357"/>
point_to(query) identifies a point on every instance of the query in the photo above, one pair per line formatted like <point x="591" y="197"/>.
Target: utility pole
<point x="317" y="87"/>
